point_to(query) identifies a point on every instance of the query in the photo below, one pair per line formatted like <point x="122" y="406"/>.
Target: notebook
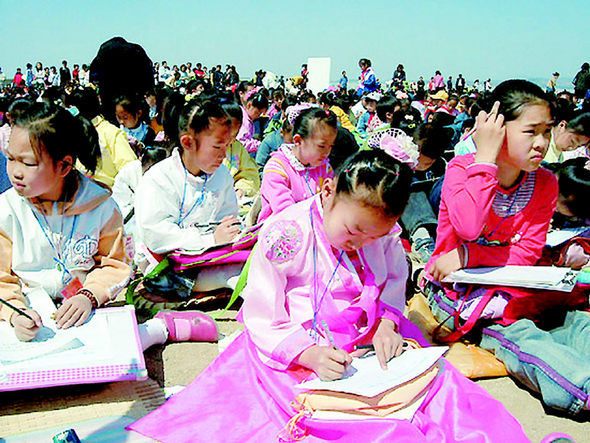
<point x="106" y="348"/>
<point x="559" y="237"/>
<point x="365" y="376"/>
<point x="536" y="277"/>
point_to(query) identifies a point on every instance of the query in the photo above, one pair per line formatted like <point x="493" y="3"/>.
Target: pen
<point x="329" y="334"/>
<point x="405" y="346"/>
<point x="15" y="309"/>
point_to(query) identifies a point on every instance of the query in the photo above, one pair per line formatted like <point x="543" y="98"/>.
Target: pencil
<point x="14" y="308"/>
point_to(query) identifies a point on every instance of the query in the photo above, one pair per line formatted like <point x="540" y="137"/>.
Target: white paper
<point x="538" y="277"/>
<point x="107" y="338"/>
<point x="368" y="379"/>
<point x="558" y="237"/>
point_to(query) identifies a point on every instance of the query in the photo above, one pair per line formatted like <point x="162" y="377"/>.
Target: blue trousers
<point x="555" y="362"/>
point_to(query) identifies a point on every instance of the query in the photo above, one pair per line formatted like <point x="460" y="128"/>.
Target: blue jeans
<point x="555" y="363"/>
<point x="418" y="213"/>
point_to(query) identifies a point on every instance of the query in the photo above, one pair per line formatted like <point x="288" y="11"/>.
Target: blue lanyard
<point x="311" y="193"/>
<point x="66" y="276"/>
<point x="198" y="202"/>
<point x="318" y="303"/>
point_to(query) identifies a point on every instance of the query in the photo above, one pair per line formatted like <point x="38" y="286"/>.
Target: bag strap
<point x="461" y="330"/>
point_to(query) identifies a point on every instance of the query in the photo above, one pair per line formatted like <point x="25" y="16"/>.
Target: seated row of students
<point x="188" y="202"/>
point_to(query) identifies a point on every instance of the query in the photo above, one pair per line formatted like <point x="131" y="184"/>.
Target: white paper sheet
<point x="556" y="238"/>
<point x="537" y="277"/>
<point x="368" y="379"/>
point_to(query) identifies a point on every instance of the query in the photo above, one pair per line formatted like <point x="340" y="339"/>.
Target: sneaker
<point x="422" y="249"/>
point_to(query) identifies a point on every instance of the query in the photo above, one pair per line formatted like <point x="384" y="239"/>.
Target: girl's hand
<point x="489" y="135"/>
<point x="387" y="342"/>
<point x="24" y="328"/>
<point x="74" y="312"/>
<point x="227" y="230"/>
<point x="447" y="263"/>
<point x="328" y="363"/>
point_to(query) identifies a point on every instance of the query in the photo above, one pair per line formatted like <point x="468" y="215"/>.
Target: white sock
<point x="152" y="332"/>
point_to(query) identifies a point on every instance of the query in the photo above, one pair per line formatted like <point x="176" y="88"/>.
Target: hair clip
<point x="327" y="112"/>
<point x="587" y="165"/>
<point x="251" y="92"/>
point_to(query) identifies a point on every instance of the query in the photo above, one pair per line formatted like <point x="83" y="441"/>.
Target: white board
<point x="318" y="73"/>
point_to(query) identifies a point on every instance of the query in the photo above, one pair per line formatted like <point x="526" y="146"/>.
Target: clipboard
<point x="105" y="349"/>
<point x="535" y="277"/>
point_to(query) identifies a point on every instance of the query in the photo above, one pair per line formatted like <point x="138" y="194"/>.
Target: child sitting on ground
<point x="328" y="274"/>
<point x="60" y="231"/>
<point x="296" y="172"/>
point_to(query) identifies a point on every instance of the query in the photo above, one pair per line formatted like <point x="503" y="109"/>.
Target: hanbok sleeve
<point x="268" y="315"/>
<point x="393" y="295"/>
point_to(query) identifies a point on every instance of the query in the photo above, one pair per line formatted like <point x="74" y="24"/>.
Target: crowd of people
<point x="340" y="191"/>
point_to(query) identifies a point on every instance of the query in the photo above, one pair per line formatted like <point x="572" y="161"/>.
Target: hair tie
<point x="327" y="113"/>
<point x="251" y="92"/>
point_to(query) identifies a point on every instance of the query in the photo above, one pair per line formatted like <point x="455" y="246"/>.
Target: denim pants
<point x="555" y="363"/>
<point x="418" y="213"/>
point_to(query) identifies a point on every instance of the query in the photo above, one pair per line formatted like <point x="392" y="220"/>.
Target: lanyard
<point x="318" y="303"/>
<point x="61" y="253"/>
<point x="311" y="193"/>
<point x="197" y="202"/>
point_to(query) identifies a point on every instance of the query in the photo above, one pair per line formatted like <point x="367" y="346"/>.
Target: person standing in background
<point x="64" y="74"/>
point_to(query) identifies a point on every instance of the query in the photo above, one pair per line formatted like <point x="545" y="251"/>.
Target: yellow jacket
<point x="242" y="168"/>
<point x="115" y="151"/>
<point x="343" y="118"/>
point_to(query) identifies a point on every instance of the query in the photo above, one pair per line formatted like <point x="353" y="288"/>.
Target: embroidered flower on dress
<point x="283" y="240"/>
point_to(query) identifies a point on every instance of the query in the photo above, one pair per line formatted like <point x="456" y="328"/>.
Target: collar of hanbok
<point x="287" y="150"/>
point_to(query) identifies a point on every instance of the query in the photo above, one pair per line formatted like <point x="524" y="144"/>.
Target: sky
<point x="498" y="39"/>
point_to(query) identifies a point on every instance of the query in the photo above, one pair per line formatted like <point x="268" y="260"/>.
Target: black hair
<point x="376" y="179"/>
<point x="433" y="140"/>
<point x="306" y="122"/>
<point x="386" y="105"/>
<point x="197" y="116"/>
<point x="258" y="99"/>
<point x="59" y="133"/>
<point x="87" y="102"/>
<point x="406" y="120"/>
<point x="574" y="185"/>
<point x="580" y="124"/>
<point x="515" y="95"/>
<point x="133" y="104"/>
<point x="153" y="154"/>
<point x="233" y="110"/>
<point x="365" y="61"/>
<point x="243" y="87"/>
<point x="17" y="107"/>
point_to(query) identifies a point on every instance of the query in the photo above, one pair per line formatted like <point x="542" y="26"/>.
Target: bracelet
<point x="90" y="297"/>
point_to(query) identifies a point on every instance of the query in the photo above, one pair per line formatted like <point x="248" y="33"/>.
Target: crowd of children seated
<point x="344" y="193"/>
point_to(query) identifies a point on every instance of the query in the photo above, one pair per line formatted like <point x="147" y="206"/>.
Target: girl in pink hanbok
<point x="328" y="273"/>
<point x="297" y="171"/>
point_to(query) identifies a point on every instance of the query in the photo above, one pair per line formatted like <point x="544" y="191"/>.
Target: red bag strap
<point x="461" y="330"/>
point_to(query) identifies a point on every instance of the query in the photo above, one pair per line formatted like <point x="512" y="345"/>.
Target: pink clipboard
<point x="128" y="366"/>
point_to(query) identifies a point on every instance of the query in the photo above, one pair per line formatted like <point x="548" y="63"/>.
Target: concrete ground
<point x="179" y="363"/>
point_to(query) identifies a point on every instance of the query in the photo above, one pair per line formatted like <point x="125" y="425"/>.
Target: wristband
<point x="88" y="294"/>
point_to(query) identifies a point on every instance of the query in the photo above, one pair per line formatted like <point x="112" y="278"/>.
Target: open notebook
<point x="106" y="348"/>
<point x="365" y="376"/>
<point x="536" y="277"/>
